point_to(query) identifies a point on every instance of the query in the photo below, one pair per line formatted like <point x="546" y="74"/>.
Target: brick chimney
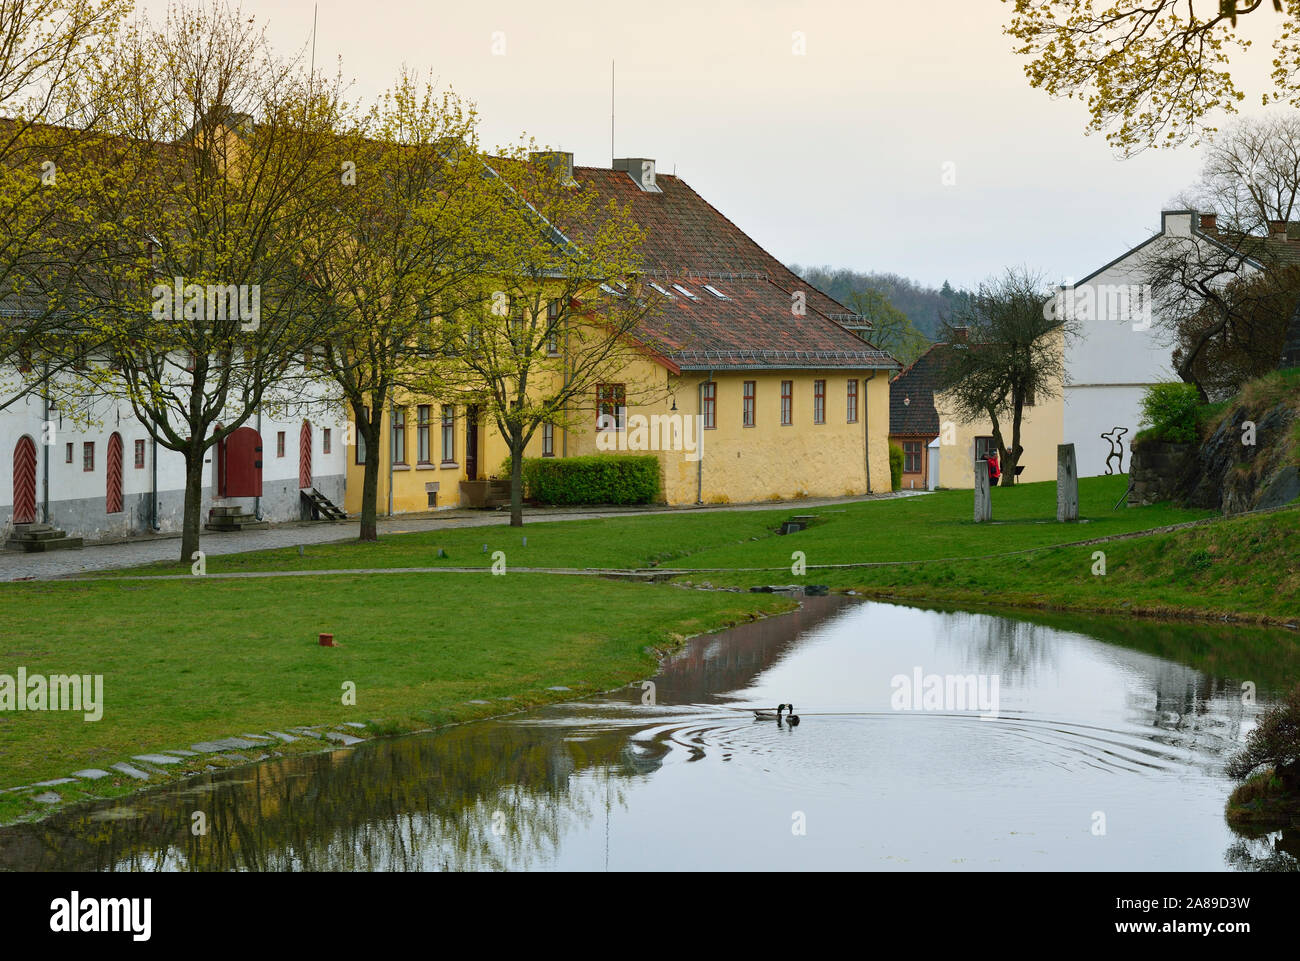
<point x="1277" y="230"/>
<point x="1209" y="223"/>
<point x="960" y="335"/>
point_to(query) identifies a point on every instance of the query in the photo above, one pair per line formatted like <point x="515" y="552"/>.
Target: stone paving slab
<point x="287" y="738"/>
<point x="49" y="797"/>
<point x="54" y="783"/>
<point x="345" y="739"/>
<point x="224" y="744"/>
<point x="92" y="773"/>
<point x="130" y="771"/>
<point x="156" y="758"/>
<point x="183" y="753"/>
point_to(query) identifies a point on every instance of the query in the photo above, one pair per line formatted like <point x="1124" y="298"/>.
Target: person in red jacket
<point x="994" y="471"/>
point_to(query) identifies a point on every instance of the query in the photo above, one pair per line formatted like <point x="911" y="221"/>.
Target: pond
<point x="928" y="740"/>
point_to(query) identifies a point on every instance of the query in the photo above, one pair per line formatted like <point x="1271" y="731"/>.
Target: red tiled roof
<point x="689" y="242"/>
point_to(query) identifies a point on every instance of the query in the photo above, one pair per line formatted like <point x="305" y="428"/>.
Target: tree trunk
<point x="516" y="482"/>
<point x="1012" y="458"/>
<point x="192" y="519"/>
<point x="370" y="483"/>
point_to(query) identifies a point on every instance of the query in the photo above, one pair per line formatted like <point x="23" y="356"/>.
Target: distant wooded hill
<point x="924" y="306"/>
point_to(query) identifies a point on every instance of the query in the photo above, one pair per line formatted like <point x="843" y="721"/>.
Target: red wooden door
<point x="242" y="460"/>
<point x="25" y="481"/>
<point x="113" y="479"/>
<point x="304" y="455"/>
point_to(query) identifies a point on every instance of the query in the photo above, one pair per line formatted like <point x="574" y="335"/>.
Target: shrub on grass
<point x="1169" y="410"/>
<point x="895" y="467"/>
<point x="1276" y="743"/>
<point x="595" y="479"/>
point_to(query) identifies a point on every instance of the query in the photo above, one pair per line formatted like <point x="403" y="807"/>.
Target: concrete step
<point x="44" y="544"/>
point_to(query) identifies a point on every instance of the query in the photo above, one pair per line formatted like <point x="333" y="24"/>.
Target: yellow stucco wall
<point x="738" y="464"/>
<point x="1041" y="430"/>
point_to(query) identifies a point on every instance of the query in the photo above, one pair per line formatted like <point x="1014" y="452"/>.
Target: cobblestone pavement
<point x="99" y="557"/>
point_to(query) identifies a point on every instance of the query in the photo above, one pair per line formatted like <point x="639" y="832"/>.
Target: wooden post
<point x="983" y="502"/>
<point x="1067" y="484"/>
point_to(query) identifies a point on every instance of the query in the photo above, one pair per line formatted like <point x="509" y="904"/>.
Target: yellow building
<point x="759" y="388"/>
<point x="940" y="449"/>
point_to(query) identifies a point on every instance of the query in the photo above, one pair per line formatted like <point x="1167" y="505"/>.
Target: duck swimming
<point x="792" y="719"/>
<point x="767" y="715"/>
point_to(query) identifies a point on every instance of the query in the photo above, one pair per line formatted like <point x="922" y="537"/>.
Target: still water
<point x="1106" y="753"/>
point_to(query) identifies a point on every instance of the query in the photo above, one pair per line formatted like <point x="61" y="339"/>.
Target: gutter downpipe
<point x="257" y="501"/>
<point x="45" y="451"/>
<point x="866" y="424"/>
<point x="699" y="464"/>
<point x="391" y="412"/>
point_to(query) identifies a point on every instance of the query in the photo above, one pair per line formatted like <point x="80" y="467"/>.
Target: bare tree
<point x="1005" y="353"/>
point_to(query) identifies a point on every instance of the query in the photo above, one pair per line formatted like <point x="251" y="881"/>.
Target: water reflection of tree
<point x="426" y="803"/>
<point x="1012" y="649"/>
<point x="1264" y="852"/>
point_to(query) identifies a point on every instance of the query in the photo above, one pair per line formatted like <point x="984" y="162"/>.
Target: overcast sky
<point x="836" y="156"/>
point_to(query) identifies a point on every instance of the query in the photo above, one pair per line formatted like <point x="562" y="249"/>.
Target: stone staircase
<point x="35" y="538"/>
<point x="233" y="519"/>
<point x="321" y="506"/>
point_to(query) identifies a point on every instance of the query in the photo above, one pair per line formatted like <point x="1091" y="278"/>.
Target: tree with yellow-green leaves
<point x="557" y="313"/>
<point x="196" y="297"/>
<point x="46" y="139"/>
<point x="399" y="247"/>
<point x="1152" y="72"/>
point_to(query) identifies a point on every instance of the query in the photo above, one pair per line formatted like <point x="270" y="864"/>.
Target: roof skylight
<point x="679" y="287"/>
<point x="715" y="292"/>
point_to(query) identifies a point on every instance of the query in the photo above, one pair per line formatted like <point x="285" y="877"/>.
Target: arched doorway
<point x="113" y="478"/>
<point x="304" y="456"/>
<point x="25" y="481"/>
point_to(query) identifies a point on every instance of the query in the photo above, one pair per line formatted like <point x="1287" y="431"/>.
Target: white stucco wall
<point x="1116" y="355"/>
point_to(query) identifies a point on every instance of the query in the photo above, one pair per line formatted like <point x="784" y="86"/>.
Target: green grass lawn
<point x="191" y="660"/>
<point x="1247" y="568"/>
<point x="935" y="525"/>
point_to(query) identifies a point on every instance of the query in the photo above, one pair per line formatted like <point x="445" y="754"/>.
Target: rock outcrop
<point x="1227" y="472"/>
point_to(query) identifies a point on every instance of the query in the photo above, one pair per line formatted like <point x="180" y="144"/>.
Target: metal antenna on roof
<point x="315" y="7"/>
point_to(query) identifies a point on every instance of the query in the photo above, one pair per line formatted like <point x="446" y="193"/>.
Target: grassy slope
<point x="1247" y="568"/>
<point x="190" y="660"/>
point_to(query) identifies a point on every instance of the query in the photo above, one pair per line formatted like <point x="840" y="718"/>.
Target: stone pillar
<point x="1067" y="484"/>
<point x="983" y="502"/>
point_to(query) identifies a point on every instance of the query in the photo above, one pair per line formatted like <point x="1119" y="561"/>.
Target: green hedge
<point x="895" y="467"/>
<point x="1169" y="412"/>
<point x="596" y="479"/>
